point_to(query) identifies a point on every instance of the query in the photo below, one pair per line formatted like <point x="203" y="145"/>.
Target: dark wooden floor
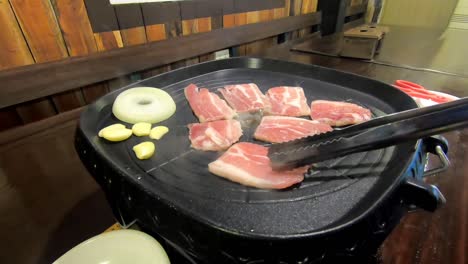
<point x="48" y="202"/>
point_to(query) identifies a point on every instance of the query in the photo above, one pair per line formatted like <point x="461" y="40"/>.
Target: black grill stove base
<point x="178" y="256"/>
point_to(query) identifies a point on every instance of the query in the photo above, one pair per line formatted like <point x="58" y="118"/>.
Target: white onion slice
<point x="143" y="104"/>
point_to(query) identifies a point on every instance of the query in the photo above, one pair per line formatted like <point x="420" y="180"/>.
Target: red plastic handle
<point x="419" y="91"/>
<point x="413" y="93"/>
<point x="409" y="85"/>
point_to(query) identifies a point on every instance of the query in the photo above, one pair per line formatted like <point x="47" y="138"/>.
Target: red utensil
<point x="416" y="90"/>
<point x="423" y="95"/>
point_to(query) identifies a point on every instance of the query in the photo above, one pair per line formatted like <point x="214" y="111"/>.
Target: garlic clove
<point x="116" y="135"/>
<point x="144" y="150"/>
<point x="158" y="132"/>
<point x="111" y="127"/>
<point x="141" y="129"/>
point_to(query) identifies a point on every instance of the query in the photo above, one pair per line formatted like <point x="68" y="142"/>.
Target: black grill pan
<point x="174" y="195"/>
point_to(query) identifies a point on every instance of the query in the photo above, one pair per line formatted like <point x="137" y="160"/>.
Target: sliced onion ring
<point x="143" y="104"/>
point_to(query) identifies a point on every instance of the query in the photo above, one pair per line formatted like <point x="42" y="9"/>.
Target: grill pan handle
<point x="423" y="195"/>
<point x="418" y="194"/>
<point x="437" y="145"/>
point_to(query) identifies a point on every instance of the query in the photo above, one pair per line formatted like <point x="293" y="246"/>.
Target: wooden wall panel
<point x="39" y="25"/>
<point x="42" y="108"/>
<point x="252" y="17"/>
<point x="195" y="25"/>
<point x="201" y="22"/>
<point x="156" y="29"/>
<point x="295" y="9"/>
<point x="79" y="38"/>
<point x="35" y="81"/>
<point x="45" y="41"/>
<point x="117" y="83"/>
<point x="133" y="36"/>
<point x="132" y="27"/>
<point x="256" y="17"/>
<point x="36" y="110"/>
<point x="155" y="71"/>
<point x="9" y="118"/>
<point x="280" y="12"/>
<point x="13" y="52"/>
<point x="216" y="23"/>
<point x="106" y="33"/>
<point x="287" y="8"/>
<point x="264" y="16"/>
<point x="195" y="16"/>
<point x="155" y="15"/>
<point x="155" y="32"/>
<point x="174" y="29"/>
<point x="229" y="20"/>
<point x="308" y="6"/>
<point x="286" y="13"/>
<point x="67" y="101"/>
<point x="108" y="40"/>
<point x="94" y="91"/>
<point x="75" y="26"/>
<point x="109" y="36"/>
<point x="13" y="48"/>
<point x="163" y="21"/>
<point x="241" y="19"/>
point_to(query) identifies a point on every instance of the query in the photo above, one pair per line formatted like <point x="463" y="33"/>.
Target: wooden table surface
<point x="422" y="48"/>
<point x="428" y="48"/>
<point x="421" y="237"/>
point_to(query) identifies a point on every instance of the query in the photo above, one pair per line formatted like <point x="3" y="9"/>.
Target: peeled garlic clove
<point x="158" y="132"/>
<point x="141" y="129"/>
<point x="144" y="150"/>
<point x="116" y="135"/>
<point x="111" y="127"/>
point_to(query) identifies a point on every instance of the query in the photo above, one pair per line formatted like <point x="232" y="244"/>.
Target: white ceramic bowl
<point x="117" y="247"/>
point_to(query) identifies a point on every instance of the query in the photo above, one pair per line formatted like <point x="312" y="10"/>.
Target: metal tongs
<point x="377" y="133"/>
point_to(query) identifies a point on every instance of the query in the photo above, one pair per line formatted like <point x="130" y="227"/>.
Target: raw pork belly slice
<point x="216" y="135"/>
<point x="248" y="164"/>
<point x="287" y="101"/>
<point x="338" y="113"/>
<point x="244" y="97"/>
<point x="207" y="106"/>
<point x="277" y="129"/>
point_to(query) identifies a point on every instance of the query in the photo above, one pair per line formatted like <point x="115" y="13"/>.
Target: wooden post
<point x="333" y="15"/>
